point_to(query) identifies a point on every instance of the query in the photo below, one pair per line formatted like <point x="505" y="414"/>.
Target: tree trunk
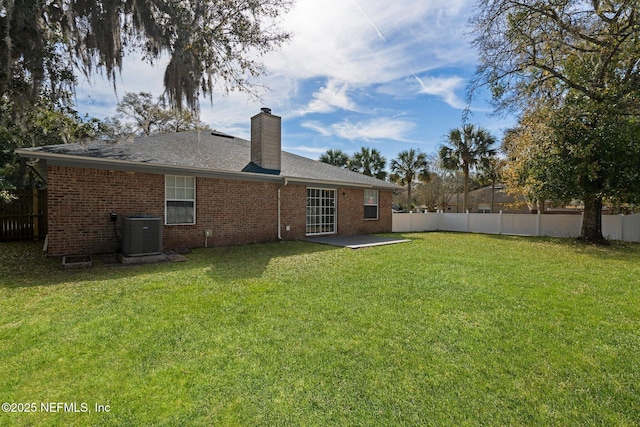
<point x="493" y="192"/>
<point x="592" y="221"/>
<point x="465" y="201"/>
<point x="21" y="180"/>
<point x="541" y="206"/>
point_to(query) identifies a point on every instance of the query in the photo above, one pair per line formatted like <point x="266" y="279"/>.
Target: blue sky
<point x="356" y="73"/>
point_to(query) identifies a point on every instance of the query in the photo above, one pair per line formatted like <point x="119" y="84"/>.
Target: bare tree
<point x="443" y="184"/>
<point x="139" y="114"/>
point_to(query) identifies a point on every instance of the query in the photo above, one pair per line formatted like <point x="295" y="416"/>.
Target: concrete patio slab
<point x="143" y="259"/>
<point x="355" y="242"/>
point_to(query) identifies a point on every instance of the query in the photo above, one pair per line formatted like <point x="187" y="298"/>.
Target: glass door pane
<point x="321" y="211"/>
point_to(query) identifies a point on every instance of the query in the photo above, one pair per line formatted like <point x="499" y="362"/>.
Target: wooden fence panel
<point x="25" y="217"/>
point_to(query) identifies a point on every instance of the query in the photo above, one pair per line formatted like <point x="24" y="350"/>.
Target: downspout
<point x="279" y="219"/>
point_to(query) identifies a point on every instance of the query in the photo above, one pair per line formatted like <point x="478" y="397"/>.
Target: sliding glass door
<point x="321" y="211"/>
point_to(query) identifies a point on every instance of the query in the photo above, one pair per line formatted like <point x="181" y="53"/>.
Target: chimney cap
<point x="266" y="110"/>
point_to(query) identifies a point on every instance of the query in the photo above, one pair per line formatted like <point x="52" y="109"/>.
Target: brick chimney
<point x="266" y="140"/>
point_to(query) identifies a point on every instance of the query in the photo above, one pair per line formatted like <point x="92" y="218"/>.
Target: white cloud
<point x="225" y="112"/>
<point x="306" y="150"/>
<point x="329" y="98"/>
<point x="350" y="44"/>
<point x="358" y="49"/>
<point x="363" y="42"/>
<point x="97" y="96"/>
<point x="318" y="127"/>
<point x="369" y="130"/>
<point x="443" y="87"/>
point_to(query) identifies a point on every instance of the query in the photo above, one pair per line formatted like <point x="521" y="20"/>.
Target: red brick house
<point x="206" y="187"/>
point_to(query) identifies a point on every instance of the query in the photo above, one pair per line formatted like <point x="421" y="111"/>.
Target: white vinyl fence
<point x="614" y="227"/>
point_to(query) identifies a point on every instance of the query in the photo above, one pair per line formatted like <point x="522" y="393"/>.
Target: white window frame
<point x="176" y="193"/>
<point x="372" y="198"/>
<point x="322" y="211"/>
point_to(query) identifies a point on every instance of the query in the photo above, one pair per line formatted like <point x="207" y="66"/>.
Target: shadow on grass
<point x="23" y="264"/>
<point x="250" y="261"/>
<point x="617" y="250"/>
<point x="614" y="250"/>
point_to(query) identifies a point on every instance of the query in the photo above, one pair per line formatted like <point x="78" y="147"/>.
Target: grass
<point x="449" y="329"/>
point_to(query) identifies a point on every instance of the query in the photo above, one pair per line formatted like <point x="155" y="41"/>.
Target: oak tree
<point x="139" y="114"/>
<point x="580" y="60"/>
<point x="209" y="43"/>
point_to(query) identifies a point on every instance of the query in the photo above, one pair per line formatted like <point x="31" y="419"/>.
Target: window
<point x="321" y="211"/>
<point x="370" y="204"/>
<point x="180" y="200"/>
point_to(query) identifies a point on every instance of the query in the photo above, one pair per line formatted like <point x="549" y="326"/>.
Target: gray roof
<point x="201" y="153"/>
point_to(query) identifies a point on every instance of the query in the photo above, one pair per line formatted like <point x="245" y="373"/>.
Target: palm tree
<point x="407" y="167"/>
<point x="335" y="157"/>
<point x="467" y="147"/>
<point x="369" y="161"/>
<point x="491" y="170"/>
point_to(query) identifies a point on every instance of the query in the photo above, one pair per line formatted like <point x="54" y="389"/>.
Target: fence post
<point x="468" y="221"/>
<point x="411" y="220"/>
<point x="500" y="222"/>
<point x="622" y="227"/>
<point x="538" y="221"/>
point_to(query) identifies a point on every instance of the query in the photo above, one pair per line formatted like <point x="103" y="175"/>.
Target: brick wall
<point x="293" y="211"/>
<point x="351" y="213"/>
<point x="350" y="204"/>
<point x="237" y="212"/>
<point x="80" y="201"/>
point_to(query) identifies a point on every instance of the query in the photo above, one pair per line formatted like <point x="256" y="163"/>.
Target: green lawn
<point x="448" y="329"/>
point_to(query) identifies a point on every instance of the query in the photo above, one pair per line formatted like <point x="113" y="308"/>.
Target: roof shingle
<point x="201" y="150"/>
